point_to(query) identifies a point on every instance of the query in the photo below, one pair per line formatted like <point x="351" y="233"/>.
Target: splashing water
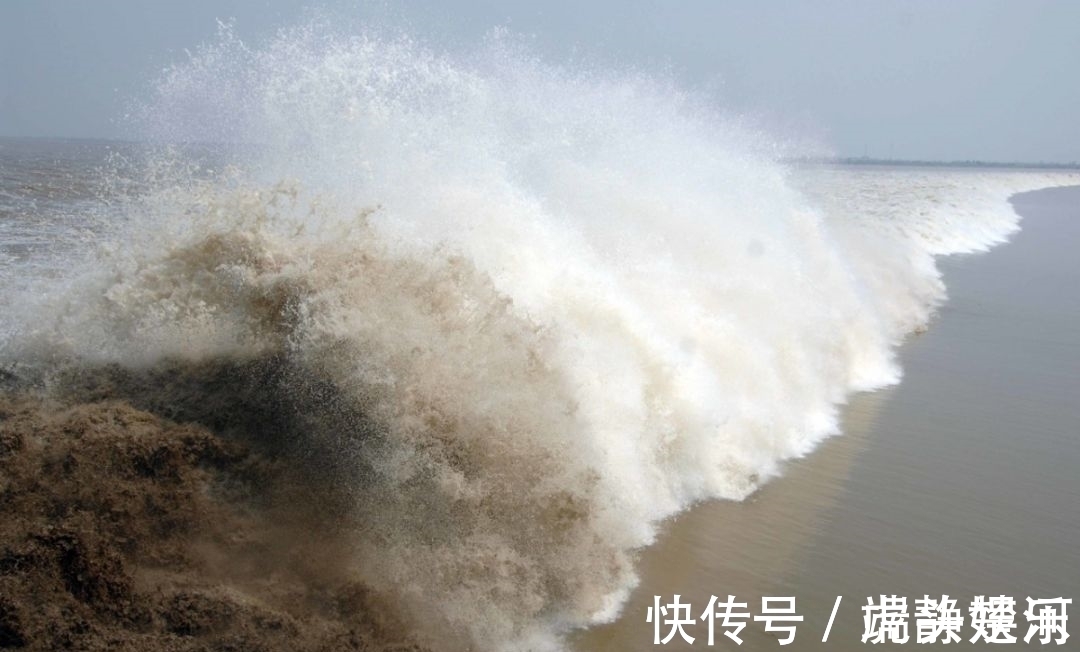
<point x="522" y="313"/>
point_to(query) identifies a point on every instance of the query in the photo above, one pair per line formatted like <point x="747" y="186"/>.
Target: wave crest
<point x="520" y="314"/>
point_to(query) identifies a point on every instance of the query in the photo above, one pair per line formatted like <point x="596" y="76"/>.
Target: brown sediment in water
<point x="122" y="530"/>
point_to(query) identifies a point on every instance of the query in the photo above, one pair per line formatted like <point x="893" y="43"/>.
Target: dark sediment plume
<point x="123" y="530"/>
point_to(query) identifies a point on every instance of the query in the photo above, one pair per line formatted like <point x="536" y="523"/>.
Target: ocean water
<point x="524" y="313"/>
<point x="959" y="481"/>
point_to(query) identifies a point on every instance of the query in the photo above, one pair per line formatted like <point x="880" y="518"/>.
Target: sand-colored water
<point x="502" y="532"/>
<point x="963" y="480"/>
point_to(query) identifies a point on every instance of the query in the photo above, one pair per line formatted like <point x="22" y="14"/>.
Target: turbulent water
<point x="521" y="313"/>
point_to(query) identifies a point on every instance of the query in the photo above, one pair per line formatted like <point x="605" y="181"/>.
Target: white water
<point x="572" y="303"/>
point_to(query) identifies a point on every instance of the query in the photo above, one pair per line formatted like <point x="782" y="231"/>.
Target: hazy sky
<point x="934" y="79"/>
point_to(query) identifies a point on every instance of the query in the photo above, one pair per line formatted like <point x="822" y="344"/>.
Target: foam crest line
<point x="523" y="313"/>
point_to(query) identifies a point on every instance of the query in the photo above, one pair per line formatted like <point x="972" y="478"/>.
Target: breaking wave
<point x="519" y="313"/>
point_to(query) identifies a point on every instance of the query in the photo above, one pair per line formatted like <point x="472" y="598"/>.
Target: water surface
<point x="962" y="480"/>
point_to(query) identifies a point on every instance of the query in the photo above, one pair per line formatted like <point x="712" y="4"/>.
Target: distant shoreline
<point x="887" y="162"/>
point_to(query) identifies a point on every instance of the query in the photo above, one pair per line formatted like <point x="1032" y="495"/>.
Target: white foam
<point x="576" y="302"/>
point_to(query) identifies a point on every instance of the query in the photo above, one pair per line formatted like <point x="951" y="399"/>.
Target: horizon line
<point x="842" y="160"/>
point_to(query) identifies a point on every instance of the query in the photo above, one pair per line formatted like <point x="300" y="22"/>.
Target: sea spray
<point x="521" y="313"/>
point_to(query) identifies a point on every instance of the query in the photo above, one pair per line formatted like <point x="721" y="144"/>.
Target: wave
<point x="521" y="313"/>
